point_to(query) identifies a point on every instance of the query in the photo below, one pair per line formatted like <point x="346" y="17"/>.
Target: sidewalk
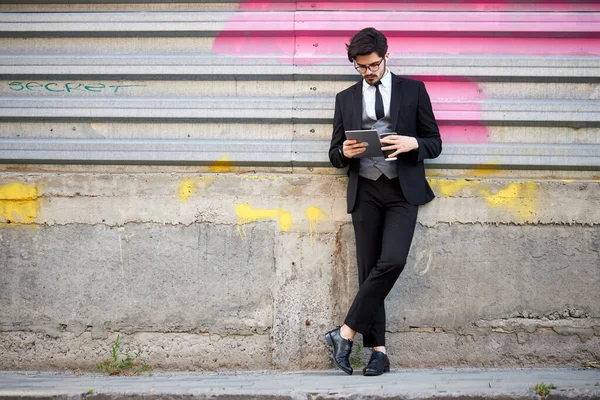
<point x="472" y="384"/>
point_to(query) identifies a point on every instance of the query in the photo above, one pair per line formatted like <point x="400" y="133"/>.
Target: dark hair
<point x="366" y="42"/>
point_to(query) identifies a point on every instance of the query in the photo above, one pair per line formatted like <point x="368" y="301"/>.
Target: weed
<point x="127" y="366"/>
<point x="355" y="361"/>
<point x="90" y="391"/>
<point x="543" y="390"/>
<point x="590" y="364"/>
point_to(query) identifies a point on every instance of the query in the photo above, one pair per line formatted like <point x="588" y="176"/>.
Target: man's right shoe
<point x="340" y="350"/>
<point x="378" y="364"/>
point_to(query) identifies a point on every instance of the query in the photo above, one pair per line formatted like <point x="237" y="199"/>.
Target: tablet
<point x="369" y="136"/>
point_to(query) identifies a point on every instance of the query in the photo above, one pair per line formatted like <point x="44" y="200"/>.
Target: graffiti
<point x="458" y="123"/>
<point x="483" y="28"/>
<point x="387" y="5"/>
<point x="496" y="5"/>
<point x="19" y="203"/>
<point x="247" y="214"/>
<point x="517" y="197"/>
<point x="68" y="87"/>
<point x="450" y="188"/>
<point x="310" y="49"/>
<point x="223" y="164"/>
<point x="314" y="215"/>
<point x="420" y="30"/>
<point x="189" y="187"/>
<point x="186" y="190"/>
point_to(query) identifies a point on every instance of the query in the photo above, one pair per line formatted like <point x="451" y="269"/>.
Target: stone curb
<point x="458" y="384"/>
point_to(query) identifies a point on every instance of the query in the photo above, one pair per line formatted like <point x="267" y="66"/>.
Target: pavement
<point x="413" y="384"/>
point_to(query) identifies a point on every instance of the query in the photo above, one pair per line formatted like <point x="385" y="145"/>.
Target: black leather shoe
<point x="340" y="350"/>
<point x="378" y="364"/>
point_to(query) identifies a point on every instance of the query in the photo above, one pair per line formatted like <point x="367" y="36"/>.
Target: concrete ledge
<point x="471" y="384"/>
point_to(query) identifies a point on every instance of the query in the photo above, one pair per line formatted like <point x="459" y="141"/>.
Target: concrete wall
<point x="247" y="269"/>
<point x="165" y="178"/>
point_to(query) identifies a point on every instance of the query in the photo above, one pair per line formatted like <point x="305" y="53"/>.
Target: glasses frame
<point x="371" y="67"/>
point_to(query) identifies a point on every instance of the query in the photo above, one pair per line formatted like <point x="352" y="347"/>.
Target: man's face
<point x="371" y="60"/>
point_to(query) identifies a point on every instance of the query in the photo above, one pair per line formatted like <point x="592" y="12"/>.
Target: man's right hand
<point x="351" y="148"/>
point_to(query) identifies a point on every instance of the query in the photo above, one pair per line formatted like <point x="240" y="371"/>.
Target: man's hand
<point x="352" y="148"/>
<point x="402" y="144"/>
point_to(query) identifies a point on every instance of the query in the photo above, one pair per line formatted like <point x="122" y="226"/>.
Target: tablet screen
<point x="371" y="137"/>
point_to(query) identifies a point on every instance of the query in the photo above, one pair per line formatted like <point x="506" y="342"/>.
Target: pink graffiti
<point x="269" y="28"/>
<point x="422" y="33"/>
<point x="456" y="106"/>
<point x="315" y="33"/>
<point x="312" y="48"/>
<point x="411" y="5"/>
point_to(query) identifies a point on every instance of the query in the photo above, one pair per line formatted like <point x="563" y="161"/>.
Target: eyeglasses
<point x="373" y="67"/>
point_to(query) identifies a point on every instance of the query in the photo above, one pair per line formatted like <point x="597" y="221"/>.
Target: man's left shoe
<point x="378" y="364"/>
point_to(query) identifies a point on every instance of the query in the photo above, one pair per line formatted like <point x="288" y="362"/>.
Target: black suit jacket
<point x="411" y="113"/>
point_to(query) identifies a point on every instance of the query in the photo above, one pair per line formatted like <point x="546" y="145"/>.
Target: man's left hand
<point x="402" y="144"/>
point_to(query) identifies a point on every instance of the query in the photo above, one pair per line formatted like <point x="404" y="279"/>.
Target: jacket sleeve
<point x="338" y="137"/>
<point x="428" y="133"/>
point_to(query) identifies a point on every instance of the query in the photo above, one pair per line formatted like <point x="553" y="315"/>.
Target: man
<point x="383" y="196"/>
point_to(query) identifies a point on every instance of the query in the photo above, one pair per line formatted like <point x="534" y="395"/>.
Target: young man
<point x="383" y="196"/>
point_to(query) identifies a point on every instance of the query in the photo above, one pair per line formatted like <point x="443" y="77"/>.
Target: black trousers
<point x="384" y="224"/>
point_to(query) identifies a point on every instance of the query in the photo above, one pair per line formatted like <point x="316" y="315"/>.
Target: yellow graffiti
<point x="517" y="197"/>
<point x="19" y="203"/>
<point x="486" y="172"/>
<point x="222" y="165"/>
<point x="314" y="215"/>
<point x="188" y="187"/>
<point x="247" y="214"/>
<point x="449" y="188"/>
<point x="186" y="190"/>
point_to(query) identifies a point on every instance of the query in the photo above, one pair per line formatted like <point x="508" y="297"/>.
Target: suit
<point x="384" y="211"/>
<point x="411" y="114"/>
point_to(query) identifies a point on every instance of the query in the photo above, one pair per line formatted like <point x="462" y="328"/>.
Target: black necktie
<point x="379" y="110"/>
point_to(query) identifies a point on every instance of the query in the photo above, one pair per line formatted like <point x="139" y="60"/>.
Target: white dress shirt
<point x="386" y="95"/>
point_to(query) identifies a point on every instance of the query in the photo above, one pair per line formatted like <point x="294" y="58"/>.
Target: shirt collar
<point x="386" y="80"/>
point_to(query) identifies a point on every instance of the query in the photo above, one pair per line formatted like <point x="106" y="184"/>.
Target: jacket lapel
<point x="357" y="106"/>
<point x="396" y="100"/>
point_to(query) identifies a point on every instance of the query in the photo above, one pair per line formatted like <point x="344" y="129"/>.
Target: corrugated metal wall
<point x="514" y="83"/>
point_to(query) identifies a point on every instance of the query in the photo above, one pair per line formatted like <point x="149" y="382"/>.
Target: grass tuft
<point x="590" y="364"/>
<point x="543" y="390"/>
<point x="128" y="365"/>
<point x="355" y="360"/>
